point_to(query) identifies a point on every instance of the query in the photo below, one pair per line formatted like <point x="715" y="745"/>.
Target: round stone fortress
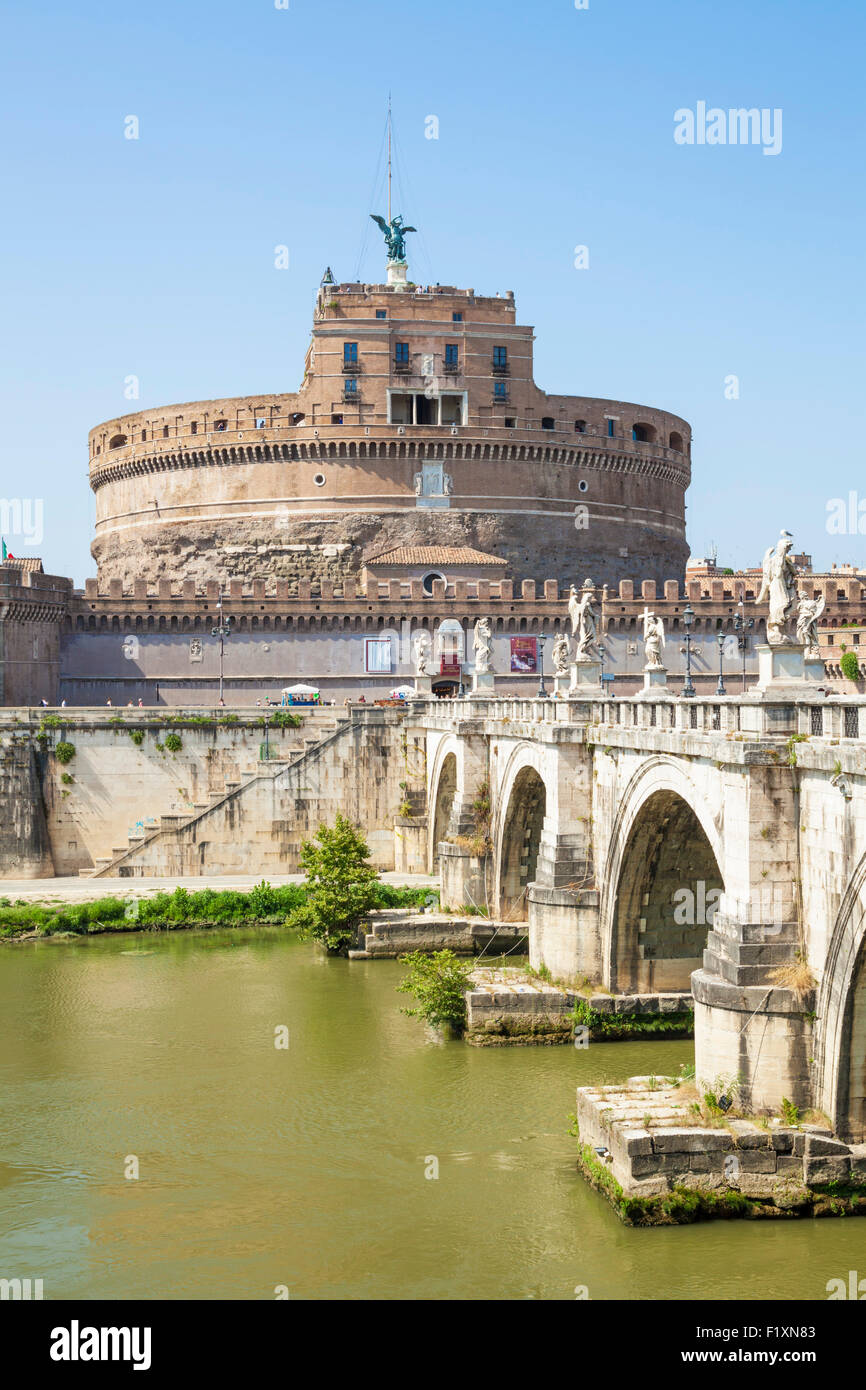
<point x="418" y="427"/>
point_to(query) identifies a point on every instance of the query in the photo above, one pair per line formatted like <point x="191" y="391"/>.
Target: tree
<point x="439" y="982"/>
<point x="850" y="666"/>
<point x="342" y="886"/>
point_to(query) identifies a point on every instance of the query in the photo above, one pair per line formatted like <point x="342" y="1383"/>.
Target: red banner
<point x="524" y="654"/>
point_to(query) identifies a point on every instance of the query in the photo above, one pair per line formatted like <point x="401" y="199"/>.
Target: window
<point x="427" y="582"/>
<point x="580" y="426"/>
<point x="350" y="352"/>
<point x="583" y="485"/>
<point x="144" y="436"/>
<point x="220" y="424"/>
<point x="193" y="429"/>
<point x="165" y="431"/>
<point x="260" y="422"/>
<point x="319" y="480"/>
<point x="377" y="654"/>
<point x="381" y="313"/>
<point x="510" y="422"/>
<point x="816" y="721"/>
<point x="117" y="441"/>
<point x="401" y="352"/>
<point x="852" y="721"/>
<point x="676" y="442"/>
<point x="610" y="429"/>
<point x="336" y="419"/>
<point x="500" y="358"/>
<point x="500" y="391"/>
<point x="548" y="422"/>
<point x="643" y="434"/>
<point x="350" y="385"/>
<point x="452" y="354"/>
<point x="456" y="318"/>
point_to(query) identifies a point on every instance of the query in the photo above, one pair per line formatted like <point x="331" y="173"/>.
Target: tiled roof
<point x="435" y="555"/>
<point x="29" y="563"/>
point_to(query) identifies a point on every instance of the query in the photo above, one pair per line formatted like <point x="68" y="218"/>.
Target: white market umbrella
<point x="300" y="690"/>
<point x="400" y="690"/>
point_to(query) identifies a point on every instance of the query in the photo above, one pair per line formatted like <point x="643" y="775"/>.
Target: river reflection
<point x="305" y="1167"/>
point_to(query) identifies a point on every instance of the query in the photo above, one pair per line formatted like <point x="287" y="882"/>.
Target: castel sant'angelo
<point x="417" y="425"/>
<point x="416" y="479"/>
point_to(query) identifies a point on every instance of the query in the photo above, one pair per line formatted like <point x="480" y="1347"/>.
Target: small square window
<point x="401" y="352"/>
<point x="500" y="357"/>
<point x="500" y="391"/>
<point x="351" y="385"/>
<point x="381" y="313"/>
<point x="350" y="352"/>
<point x="456" y="318"/>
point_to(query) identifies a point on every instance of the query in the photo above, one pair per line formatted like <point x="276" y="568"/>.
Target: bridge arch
<point x="840" y="1042"/>
<point x="661" y="883"/>
<point x="521" y="806"/>
<point x="445" y="775"/>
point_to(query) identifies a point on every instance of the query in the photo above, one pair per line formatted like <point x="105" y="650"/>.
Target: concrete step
<point x="771" y="951"/>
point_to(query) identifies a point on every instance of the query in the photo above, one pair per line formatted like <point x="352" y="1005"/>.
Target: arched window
<point x="580" y="426"/>
<point x="643" y="434"/>
<point x="450" y="641"/>
<point x="117" y="441"/>
<point x="676" y="441"/>
<point x="548" y="422"/>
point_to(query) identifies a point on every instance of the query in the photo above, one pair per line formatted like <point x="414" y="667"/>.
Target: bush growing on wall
<point x="64" y="752"/>
<point x="850" y="666"/>
<point x="173" y="742"/>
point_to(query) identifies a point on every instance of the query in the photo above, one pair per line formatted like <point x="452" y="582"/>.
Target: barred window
<point x="693" y="716"/>
<point x="852" y="721"/>
<point x="817" y="720"/>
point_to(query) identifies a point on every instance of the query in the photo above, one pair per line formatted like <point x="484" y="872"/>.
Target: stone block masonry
<point x="658" y="1163"/>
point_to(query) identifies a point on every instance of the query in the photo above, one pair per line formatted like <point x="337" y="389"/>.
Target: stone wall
<point x="25" y="848"/>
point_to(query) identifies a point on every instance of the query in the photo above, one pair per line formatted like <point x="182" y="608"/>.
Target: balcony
<point x="451" y="368"/>
<point x="500" y="369"/>
<point x="351" y="368"/>
<point x="351" y="397"/>
<point x="402" y="368"/>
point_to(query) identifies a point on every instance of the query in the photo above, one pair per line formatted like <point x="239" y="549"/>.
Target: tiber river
<point x="306" y="1167"/>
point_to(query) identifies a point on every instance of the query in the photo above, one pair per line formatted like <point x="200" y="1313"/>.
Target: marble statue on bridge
<point x="779" y="585"/>
<point x="654" y="640"/>
<point x="584" y="622"/>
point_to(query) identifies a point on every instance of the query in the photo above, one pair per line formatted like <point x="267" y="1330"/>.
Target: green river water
<point x="306" y="1167"/>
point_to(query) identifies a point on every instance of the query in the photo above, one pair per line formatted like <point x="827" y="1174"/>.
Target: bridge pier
<point x="747" y="1027"/>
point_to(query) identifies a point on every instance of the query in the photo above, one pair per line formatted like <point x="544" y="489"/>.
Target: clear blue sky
<point x="261" y="126"/>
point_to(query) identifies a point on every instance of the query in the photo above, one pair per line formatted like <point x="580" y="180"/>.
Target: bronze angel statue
<point x="394" y="233"/>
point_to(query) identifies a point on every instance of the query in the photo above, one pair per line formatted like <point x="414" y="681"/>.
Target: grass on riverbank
<point x="261" y="906"/>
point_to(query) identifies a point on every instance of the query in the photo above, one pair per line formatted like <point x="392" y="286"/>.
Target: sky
<point x="723" y="283"/>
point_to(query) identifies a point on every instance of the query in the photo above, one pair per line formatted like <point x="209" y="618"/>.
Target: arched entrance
<point x="445" y="792"/>
<point x="668" y="886"/>
<point x="840" y="1040"/>
<point x="521" y="840"/>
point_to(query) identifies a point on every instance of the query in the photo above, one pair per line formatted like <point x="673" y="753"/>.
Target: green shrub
<point x="850" y="666"/>
<point x="438" y="981"/>
<point x="173" y="742"/>
<point x="66" y="778"/>
<point x="64" y="752"/>
<point x="285" y="719"/>
<point x="341" y="884"/>
<point x="137" y="736"/>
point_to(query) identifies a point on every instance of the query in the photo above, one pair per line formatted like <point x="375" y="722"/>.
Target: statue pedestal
<point x="483" y="683"/>
<point x="398" y="272"/>
<point x="423" y="687"/>
<point x="561" y="686"/>
<point x="586" y="680"/>
<point x="784" y="671"/>
<point x="655" y="680"/>
<point x="814" y="668"/>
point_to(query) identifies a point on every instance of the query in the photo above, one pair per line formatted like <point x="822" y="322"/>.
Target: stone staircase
<point x="746" y="954"/>
<point x="143" y="833"/>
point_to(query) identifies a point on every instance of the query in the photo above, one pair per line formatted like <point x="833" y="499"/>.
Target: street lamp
<point x="541" y="693"/>
<point x="222" y="631"/>
<point x="743" y="629"/>
<point x="267" y="732"/>
<point x="720" y="688"/>
<point x="688" y="691"/>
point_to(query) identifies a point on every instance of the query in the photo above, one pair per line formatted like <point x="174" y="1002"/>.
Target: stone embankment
<point x="650" y="1147"/>
<point x="395" y="932"/>
<point x="508" y="1005"/>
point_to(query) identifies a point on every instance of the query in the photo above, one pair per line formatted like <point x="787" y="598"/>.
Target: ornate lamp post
<point x="541" y="693"/>
<point x="743" y="629"/>
<point x="720" y="638"/>
<point x="267" y="733"/>
<point x="688" y="691"/>
<point x="222" y="631"/>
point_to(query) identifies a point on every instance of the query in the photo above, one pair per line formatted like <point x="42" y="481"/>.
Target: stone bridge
<point x="655" y="842"/>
